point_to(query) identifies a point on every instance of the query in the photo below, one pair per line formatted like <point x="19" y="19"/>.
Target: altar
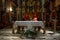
<point x="30" y="24"/>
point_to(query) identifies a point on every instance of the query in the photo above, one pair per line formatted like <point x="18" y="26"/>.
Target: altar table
<point x="29" y="24"/>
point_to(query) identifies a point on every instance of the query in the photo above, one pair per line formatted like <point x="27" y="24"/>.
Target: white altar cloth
<point x="29" y="24"/>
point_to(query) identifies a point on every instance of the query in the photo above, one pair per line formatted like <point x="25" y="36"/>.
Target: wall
<point x="57" y="2"/>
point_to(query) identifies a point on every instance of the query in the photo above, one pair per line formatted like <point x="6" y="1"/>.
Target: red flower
<point x="26" y="16"/>
<point x="35" y="16"/>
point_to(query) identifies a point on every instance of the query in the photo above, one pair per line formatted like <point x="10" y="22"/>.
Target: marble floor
<point x="6" y="34"/>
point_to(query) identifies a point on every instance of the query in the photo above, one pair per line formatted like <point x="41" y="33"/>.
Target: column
<point x="51" y="10"/>
<point x="54" y="25"/>
<point x="44" y="30"/>
<point x="42" y="8"/>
